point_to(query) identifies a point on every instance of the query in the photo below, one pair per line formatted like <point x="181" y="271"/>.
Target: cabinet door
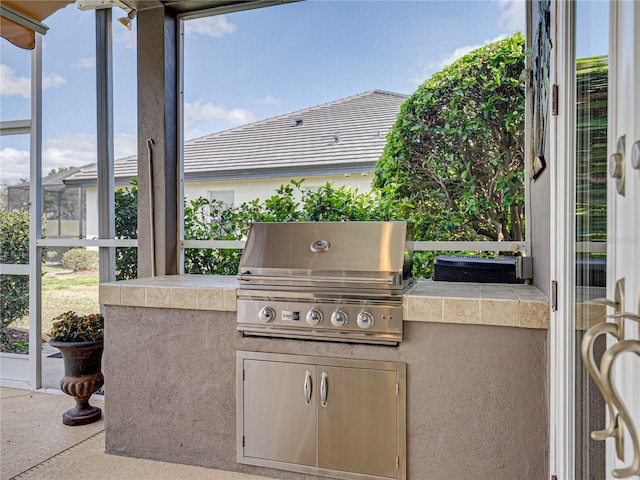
<point x="358" y="422"/>
<point x="280" y="411"/>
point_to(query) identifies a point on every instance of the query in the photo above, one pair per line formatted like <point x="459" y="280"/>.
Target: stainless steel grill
<point x="340" y="281"/>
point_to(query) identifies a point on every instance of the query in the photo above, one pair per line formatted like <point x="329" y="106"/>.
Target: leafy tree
<point x="14" y="249"/>
<point x="126" y="213"/>
<point x="456" y="152"/>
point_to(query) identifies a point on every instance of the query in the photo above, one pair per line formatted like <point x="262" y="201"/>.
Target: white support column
<point x="562" y="321"/>
<point x="104" y="97"/>
<point x="35" y="220"/>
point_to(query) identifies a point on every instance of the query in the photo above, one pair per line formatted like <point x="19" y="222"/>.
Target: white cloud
<point x="238" y="116"/>
<point x="73" y="150"/>
<point x="215" y="26"/>
<point x="14" y="165"/>
<point x="14" y="85"/>
<point x="52" y="80"/>
<point x="127" y="39"/>
<point x="124" y="145"/>
<point x="79" y="149"/>
<point x="87" y="62"/>
<point x="512" y="15"/>
<point x="424" y="71"/>
<point x="266" y="100"/>
<point x="198" y="111"/>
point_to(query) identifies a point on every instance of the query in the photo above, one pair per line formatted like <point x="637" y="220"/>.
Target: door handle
<point x="629" y="315"/>
<point x="617" y="330"/>
<point x="616" y="165"/>
<point x="324" y="389"/>
<point x="308" y="387"/>
<point x="618" y="299"/>
<point x="617" y="304"/>
<point x="624" y="418"/>
<point x="635" y="155"/>
<point x="606" y="302"/>
<point x="588" y="359"/>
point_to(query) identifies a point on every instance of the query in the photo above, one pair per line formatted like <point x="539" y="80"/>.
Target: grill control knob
<point x="338" y="318"/>
<point x="364" y="320"/>
<point x="314" y="317"/>
<point x="266" y="315"/>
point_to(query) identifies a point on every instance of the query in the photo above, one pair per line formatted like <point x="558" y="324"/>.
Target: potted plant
<point x="80" y="338"/>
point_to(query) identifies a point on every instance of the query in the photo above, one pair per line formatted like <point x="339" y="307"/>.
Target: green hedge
<point x="14" y="249"/>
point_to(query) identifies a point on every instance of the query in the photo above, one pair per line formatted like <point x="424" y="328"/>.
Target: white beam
<point x="15" y="127"/>
<point x="35" y="219"/>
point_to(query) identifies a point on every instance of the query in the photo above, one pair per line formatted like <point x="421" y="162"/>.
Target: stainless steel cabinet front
<point x="357" y="422"/>
<point x="341" y="418"/>
<point x="279" y="416"/>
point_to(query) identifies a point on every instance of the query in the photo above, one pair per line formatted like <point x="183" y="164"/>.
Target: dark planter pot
<point x="82" y="378"/>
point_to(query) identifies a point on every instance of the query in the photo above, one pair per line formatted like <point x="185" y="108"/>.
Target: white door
<point x="606" y="235"/>
<point x="624" y="222"/>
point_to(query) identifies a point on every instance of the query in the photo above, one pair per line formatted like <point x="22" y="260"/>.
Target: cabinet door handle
<point x="307" y="387"/>
<point x="324" y="389"/>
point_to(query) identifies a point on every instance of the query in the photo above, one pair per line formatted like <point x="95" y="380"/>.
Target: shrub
<point x="457" y="148"/>
<point x="14" y="289"/>
<point x="80" y="259"/>
<point x="213" y="220"/>
<point x="126" y="208"/>
<point x="71" y="327"/>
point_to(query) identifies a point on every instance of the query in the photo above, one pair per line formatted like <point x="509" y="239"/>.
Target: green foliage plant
<point x="126" y="214"/>
<point x="292" y="202"/>
<point x="80" y="259"/>
<point x="14" y="249"/>
<point x="71" y="327"/>
<point x="456" y="152"/>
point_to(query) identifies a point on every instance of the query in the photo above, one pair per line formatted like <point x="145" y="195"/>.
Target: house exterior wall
<point x="92" y="212"/>
<point x="540" y="194"/>
<point x="247" y="190"/>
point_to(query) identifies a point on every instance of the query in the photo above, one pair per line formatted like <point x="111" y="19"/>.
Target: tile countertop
<point x="449" y="302"/>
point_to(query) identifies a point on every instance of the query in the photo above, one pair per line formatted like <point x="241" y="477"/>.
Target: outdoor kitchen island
<point x="476" y="375"/>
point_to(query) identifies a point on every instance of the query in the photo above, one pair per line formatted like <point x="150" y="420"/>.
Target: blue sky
<point x="242" y="67"/>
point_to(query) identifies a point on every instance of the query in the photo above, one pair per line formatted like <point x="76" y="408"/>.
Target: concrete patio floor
<point x="34" y="444"/>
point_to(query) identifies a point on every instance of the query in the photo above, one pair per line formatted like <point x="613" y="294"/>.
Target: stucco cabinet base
<point x="476" y="394"/>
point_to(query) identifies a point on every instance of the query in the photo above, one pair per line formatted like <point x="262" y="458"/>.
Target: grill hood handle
<point x="248" y="276"/>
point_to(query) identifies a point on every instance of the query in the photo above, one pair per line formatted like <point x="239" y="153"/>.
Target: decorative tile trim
<point x="519" y="306"/>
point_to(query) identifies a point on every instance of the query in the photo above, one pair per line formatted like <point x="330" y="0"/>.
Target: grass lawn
<point x="62" y="291"/>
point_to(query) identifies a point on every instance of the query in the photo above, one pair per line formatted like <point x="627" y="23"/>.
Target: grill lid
<point x="358" y="255"/>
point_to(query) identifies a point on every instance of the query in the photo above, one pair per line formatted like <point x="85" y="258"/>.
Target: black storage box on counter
<point x="453" y="268"/>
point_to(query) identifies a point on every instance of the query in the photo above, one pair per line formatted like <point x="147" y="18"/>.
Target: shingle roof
<point x="343" y="136"/>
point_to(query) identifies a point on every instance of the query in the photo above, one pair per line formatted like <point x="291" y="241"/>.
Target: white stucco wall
<point x="92" y="212"/>
<point x="244" y="190"/>
<point x="247" y="190"/>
